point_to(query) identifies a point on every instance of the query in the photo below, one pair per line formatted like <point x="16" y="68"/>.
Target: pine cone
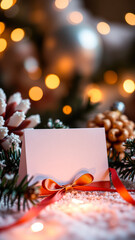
<point x="12" y="119"/>
<point x="117" y="127"/>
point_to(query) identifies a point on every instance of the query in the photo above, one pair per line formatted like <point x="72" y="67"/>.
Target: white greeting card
<point x="61" y="154"/>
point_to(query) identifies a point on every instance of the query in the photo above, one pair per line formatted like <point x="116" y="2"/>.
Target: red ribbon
<point x="57" y="191"/>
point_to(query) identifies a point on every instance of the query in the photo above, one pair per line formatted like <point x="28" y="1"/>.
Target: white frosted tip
<point x="24" y="105"/>
<point x="3" y="132"/>
<point x="35" y="119"/>
<point x="16" y="97"/>
<point x="16" y="119"/>
<point x="2" y="94"/>
<point x="2" y="121"/>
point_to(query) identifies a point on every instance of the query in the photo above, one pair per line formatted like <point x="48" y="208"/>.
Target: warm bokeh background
<point x="61" y="52"/>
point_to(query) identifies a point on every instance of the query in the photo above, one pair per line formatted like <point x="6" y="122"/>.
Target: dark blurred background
<point x="72" y="58"/>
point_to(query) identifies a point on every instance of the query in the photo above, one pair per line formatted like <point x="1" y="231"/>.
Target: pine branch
<point x="10" y="159"/>
<point x="126" y="166"/>
<point x="11" y="192"/>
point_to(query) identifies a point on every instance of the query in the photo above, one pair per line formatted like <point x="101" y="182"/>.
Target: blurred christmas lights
<point x="2" y="27"/>
<point x="94" y="92"/>
<point x="103" y="28"/>
<point x="52" y="81"/>
<point x="110" y="77"/>
<point x="37" y="227"/>
<point x="31" y="64"/>
<point x="3" y="44"/>
<point x="35" y="93"/>
<point x="65" y="64"/>
<point x="6" y="4"/>
<point x="130" y="19"/>
<point x="88" y="39"/>
<point x="61" y="4"/>
<point x="129" y="86"/>
<point x="75" y="17"/>
<point x="17" y="34"/>
<point x="67" y="109"/>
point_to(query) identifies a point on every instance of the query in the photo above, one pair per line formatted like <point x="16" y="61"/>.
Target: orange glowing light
<point x="129" y="86"/>
<point x="103" y="28"/>
<point x="6" y="4"/>
<point x="37" y="227"/>
<point x="36" y="74"/>
<point x="65" y="64"/>
<point x="95" y="94"/>
<point x="2" y="27"/>
<point x="61" y="4"/>
<point x="17" y="34"/>
<point x="130" y="19"/>
<point x="67" y="109"/>
<point x="3" y="44"/>
<point x="14" y="2"/>
<point x="35" y="93"/>
<point x="52" y="81"/>
<point x="75" y="17"/>
<point x="110" y="77"/>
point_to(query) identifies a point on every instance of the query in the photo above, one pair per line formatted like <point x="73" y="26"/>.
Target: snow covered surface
<point x="78" y="216"/>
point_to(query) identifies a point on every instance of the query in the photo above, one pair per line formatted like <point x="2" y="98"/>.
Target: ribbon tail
<point x="90" y="188"/>
<point x="35" y="210"/>
<point x="120" y="188"/>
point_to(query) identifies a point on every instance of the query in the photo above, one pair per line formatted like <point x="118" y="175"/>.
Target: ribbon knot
<point x="68" y="187"/>
<point x="49" y="186"/>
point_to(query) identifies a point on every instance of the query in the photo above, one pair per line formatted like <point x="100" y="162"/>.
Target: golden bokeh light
<point x="110" y="77"/>
<point x="65" y="64"/>
<point x="67" y="109"/>
<point x="95" y="94"/>
<point x="129" y="86"/>
<point x="75" y="17"/>
<point x="35" y="75"/>
<point x="35" y="93"/>
<point x="52" y="81"/>
<point x="61" y="4"/>
<point x="2" y="27"/>
<point x="6" y="4"/>
<point x="103" y="28"/>
<point x="3" y="44"/>
<point x="37" y="227"/>
<point x="130" y="19"/>
<point x="17" y="34"/>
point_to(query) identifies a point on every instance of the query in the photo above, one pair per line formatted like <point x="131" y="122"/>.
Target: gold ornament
<point x="117" y="126"/>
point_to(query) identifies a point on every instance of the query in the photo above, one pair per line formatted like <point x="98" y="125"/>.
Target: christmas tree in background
<point x="60" y="55"/>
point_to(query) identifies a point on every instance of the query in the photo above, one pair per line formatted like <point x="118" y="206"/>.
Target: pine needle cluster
<point x="126" y="166"/>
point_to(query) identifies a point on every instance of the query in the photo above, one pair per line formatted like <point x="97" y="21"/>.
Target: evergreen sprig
<point x="11" y="160"/>
<point x="126" y="165"/>
<point x="21" y="194"/>
<point x="10" y="191"/>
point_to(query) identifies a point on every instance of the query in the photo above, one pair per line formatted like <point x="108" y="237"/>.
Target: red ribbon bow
<point x="49" y="186"/>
